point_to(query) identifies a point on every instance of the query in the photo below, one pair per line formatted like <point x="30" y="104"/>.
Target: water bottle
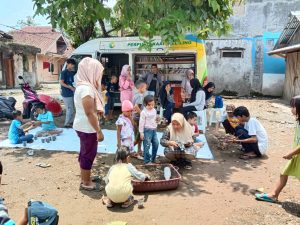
<point x="167" y="173"/>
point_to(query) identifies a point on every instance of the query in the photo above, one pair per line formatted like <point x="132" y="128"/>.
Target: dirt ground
<point x="213" y="192"/>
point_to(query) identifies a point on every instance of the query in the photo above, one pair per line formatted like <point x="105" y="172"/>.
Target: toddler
<point x="124" y="126"/>
<point x="16" y="133"/>
<point x="147" y="128"/>
<point x="191" y="117"/>
<point x="118" y="180"/>
<point x="112" y="89"/>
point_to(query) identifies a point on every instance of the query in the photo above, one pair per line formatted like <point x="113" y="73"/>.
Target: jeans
<point x="168" y="111"/>
<point x="26" y="138"/>
<point x="242" y="134"/>
<point x="150" y="137"/>
<point x="69" y="105"/>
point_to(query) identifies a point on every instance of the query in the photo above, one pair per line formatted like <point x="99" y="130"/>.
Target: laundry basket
<point x="158" y="185"/>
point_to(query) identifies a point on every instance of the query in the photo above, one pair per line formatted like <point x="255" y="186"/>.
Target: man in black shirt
<point x="153" y="80"/>
<point x="67" y="91"/>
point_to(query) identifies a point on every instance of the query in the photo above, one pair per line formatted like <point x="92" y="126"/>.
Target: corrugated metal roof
<point x="289" y="30"/>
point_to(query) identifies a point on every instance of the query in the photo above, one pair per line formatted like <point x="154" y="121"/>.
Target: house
<point x="239" y="62"/>
<point x="288" y="47"/>
<point x="16" y="60"/>
<point x="55" y="49"/>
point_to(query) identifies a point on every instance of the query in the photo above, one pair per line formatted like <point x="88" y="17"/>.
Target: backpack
<point x="218" y="102"/>
<point x="41" y="213"/>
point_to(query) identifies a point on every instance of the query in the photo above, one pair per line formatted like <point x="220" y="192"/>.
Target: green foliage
<point x="169" y="19"/>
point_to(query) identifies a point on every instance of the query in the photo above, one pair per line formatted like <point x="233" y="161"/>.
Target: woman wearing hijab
<point x="178" y="141"/>
<point x="88" y="104"/>
<point x="197" y="102"/>
<point x="167" y="100"/>
<point x="186" y="85"/>
<point x="209" y="91"/>
<point x="126" y="84"/>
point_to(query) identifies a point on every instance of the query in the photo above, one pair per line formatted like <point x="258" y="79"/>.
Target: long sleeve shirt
<point x="125" y="84"/>
<point x="199" y="102"/>
<point x="147" y="120"/>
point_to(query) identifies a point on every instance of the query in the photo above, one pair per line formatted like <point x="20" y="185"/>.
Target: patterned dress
<point x="127" y="132"/>
<point x="292" y="168"/>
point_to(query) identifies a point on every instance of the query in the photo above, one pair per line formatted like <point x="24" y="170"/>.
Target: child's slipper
<point x="95" y="188"/>
<point x="128" y="203"/>
<point x="264" y="197"/>
<point x="107" y="202"/>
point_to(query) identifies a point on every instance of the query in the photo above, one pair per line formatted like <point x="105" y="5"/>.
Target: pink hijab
<point x="90" y="73"/>
<point x="124" y="71"/>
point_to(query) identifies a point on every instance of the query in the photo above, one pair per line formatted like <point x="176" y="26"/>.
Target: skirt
<point x="292" y="168"/>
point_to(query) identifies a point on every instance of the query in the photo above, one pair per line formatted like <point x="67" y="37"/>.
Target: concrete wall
<point x="28" y="71"/>
<point x="257" y="24"/>
<point x="43" y="74"/>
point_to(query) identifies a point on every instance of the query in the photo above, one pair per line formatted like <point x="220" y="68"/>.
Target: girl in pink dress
<point x="126" y="84"/>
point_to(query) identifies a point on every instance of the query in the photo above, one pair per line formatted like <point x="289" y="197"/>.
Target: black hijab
<point x="163" y="94"/>
<point x="208" y="95"/>
<point x="195" y="84"/>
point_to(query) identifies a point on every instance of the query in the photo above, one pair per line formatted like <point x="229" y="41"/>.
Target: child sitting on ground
<point x="16" y="133"/>
<point x="147" y="129"/>
<point x="191" y="117"/>
<point x="124" y="126"/>
<point x="118" y="180"/>
<point x="45" y="119"/>
<point x="112" y="88"/>
<point x="138" y="100"/>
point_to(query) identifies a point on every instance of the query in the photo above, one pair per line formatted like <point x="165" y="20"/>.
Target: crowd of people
<point x="137" y="125"/>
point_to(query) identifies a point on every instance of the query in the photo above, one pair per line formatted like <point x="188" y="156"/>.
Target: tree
<point x="29" y="21"/>
<point x="170" y="19"/>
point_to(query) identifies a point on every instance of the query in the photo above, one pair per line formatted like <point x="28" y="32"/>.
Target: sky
<point x="11" y="11"/>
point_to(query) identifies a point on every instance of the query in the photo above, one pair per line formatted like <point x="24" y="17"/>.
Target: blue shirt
<point x="14" y="131"/>
<point x="47" y="117"/>
<point x="68" y="78"/>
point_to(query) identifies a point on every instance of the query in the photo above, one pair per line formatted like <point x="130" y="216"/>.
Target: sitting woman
<point x="167" y="100"/>
<point x="209" y="91"/>
<point x="179" y="143"/>
<point x="197" y="102"/>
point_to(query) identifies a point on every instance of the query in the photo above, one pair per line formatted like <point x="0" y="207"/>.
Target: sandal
<point x="247" y="157"/>
<point x="107" y="202"/>
<point x="95" y="188"/>
<point x="128" y="203"/>
<point x="265" y="197"/>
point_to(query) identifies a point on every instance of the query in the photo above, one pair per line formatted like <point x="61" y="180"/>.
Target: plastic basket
<point x="157" y="185"/>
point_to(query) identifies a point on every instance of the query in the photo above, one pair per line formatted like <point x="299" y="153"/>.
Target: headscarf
<point x="90" y="73"/>
<point x="195" y="84"/>
<point x="208" y="94"/>
<point x="163" y="94"/>
<point x="124" y="71"/>
<point x="186" y="132"/>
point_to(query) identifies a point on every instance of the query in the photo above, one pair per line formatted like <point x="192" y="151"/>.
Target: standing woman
<point x="197" y="102"/>
<point x="186" y="85"/>
<point x="209" y="91"/>
<point x="126" y="84"/>
<point x="88" y="104"/>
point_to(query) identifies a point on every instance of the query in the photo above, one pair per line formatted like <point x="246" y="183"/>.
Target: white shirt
<point x="199" y="103"/>
<point x="81" y="122"/>
<point x="255" y="128"/>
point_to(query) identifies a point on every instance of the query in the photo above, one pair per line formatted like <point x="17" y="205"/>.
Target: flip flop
<point x="128" y="203"/>
<point x="264" y="197"/>
<point x="247" y="157"/>
<point x="95" y="188"/>
<point x="107" y="202"/>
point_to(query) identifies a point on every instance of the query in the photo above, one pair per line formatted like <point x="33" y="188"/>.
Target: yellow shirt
<point x="104" y="97"/>
<point x="234" y="122"/>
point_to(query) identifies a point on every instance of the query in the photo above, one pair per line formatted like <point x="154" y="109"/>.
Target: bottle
<point x="167" y="173"/>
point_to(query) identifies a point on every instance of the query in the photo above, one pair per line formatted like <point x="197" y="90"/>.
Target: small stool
<point x="201" y="120"/>
<point x="213" y="115"/>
